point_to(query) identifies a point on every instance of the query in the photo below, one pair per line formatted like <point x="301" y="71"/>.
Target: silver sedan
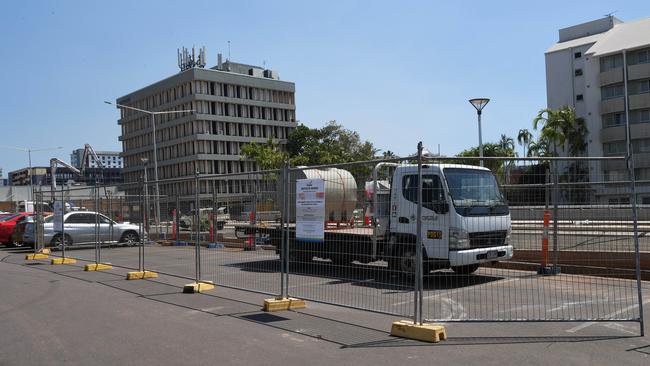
<point x="80" y="228"/>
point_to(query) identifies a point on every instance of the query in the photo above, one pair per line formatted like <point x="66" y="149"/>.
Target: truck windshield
<point x="475" y="192"/>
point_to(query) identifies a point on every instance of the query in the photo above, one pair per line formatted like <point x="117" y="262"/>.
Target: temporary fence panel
<point x="535" y="239"/>
<point x="241" y="252"/>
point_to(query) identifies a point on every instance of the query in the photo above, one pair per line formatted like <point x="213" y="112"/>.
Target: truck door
<point x="435" y="213"/>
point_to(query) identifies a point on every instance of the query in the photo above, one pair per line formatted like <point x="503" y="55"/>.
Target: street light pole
<point x="155" y="170"/>
<point x="29" y="155"/>
<point x="479" y="104"/>
<point x="31" y="183"/>
<point x="155" y="147"/>
<point x="145" y="214"/>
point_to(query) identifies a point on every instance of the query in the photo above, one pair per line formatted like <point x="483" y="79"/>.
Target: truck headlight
<point x="507" y="240"/>
<point x="458" y="238"/>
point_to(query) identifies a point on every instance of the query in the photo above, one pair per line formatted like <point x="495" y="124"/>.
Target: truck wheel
<point x="467" y="269"/>
<point x="340" y="260"/>
<point x="404" y="262"/>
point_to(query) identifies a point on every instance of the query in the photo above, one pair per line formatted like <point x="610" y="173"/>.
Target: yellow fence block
<point x="63" y="261"/>
<point x="140" y="275"/>
<point x="426" y="332"/>
<point x="271" y="305"/>
<point x="198" y="287"/>
<point x="35" y="256"/>
<point x="97" y="267"/>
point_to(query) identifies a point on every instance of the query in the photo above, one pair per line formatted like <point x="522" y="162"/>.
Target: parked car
<point x="7" y="224"/>
<point x="17" y="239"/>
<point x="79" y="229"/>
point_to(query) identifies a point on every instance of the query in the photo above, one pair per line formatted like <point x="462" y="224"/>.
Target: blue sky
<point x="395" y="71"/>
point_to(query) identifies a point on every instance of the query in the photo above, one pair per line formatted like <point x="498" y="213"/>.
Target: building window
<point x="613" y="119"/>
<point x="641" y="87"/>
<point x="619" y="201"/>
<point x="611" y="62"/>
<point x="578" y="72"/>
<point x="641" y="146"/>
<point x="640" y="57"/>
<point x="577" y="55"/>
<point x="614" y="91"/>
<point x="640" y="116"/>
<point x="579" y="97"/>
<point x="642" y="173"/>
<point x="614" y="148"/>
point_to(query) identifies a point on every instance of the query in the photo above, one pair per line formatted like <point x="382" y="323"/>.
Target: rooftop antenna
<point x="228" y="50"/>
<point x="609" y="15"/>
<point x="187" y="60"/>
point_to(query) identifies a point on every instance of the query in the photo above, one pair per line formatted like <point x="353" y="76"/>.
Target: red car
<point x="7" y="224"/>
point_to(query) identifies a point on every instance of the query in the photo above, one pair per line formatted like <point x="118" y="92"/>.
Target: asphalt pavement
<point x="59" y="315"/>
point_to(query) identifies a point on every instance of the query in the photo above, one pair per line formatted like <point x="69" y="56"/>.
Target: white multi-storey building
<point x="109" y="159"/>
<point x="602" y="69"/>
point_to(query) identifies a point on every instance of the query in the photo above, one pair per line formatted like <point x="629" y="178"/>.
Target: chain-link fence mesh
<point x="535" y="239"/>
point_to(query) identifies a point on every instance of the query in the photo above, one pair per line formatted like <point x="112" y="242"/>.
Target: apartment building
<point x="602" y="69"/>
<point x="108" y="159"/>
<point x="233" y="104"/>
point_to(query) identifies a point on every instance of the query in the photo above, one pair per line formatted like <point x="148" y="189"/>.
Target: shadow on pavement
<point x="469" y="341"/>
<point x="370" y="276"/>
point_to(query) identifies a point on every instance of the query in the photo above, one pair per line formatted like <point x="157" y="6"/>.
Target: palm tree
<point x="538" y="148"/>
<point x="524" y="138"/>
<point x="506" y="143"/>
<point x="562" y="127"/>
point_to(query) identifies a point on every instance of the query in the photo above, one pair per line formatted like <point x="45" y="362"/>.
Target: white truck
<point x="465" y="221"/>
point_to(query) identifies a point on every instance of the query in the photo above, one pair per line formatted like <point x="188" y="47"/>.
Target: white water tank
<point x="340" y="192"/>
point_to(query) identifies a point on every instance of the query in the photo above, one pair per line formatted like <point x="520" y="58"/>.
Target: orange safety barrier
<point x="547" y="220"/>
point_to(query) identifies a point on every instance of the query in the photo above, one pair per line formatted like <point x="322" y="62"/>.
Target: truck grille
<point x="487" y="239"/>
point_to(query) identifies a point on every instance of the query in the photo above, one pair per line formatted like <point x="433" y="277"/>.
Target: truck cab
<point x="465" y="218"/>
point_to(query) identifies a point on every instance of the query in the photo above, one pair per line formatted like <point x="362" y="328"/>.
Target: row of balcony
<point x="634" y="72"/>
<point x="637" y="101"/>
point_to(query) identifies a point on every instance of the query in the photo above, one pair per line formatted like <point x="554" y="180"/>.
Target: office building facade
<point x="233" y="104"/>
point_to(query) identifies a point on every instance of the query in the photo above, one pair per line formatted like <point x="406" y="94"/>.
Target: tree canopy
<point x="331" y="144"/>
<point x="491" y="149"/>
<point x="561" y="128"/>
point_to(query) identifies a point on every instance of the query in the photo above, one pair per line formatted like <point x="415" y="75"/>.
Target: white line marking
<point x="451" y="292"/>
<point x="588" y="324"/>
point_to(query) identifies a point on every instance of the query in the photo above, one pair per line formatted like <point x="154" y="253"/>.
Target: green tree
<point x="524" y="137"/>
<point x="332" y="144"/>
<point x="506" y="143"/>
<point x="539" y="148"/>
<point x="490" y="149"/>
<point x="267" y="155"/>
<point x="388" y="154"/>
<point x="561" y="128"/>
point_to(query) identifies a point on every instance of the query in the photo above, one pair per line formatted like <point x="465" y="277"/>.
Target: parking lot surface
<point x="63" y="315"/>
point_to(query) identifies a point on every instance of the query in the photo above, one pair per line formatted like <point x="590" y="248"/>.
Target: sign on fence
<point x="58" y="215"/>
<point x="310" y="210"/>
